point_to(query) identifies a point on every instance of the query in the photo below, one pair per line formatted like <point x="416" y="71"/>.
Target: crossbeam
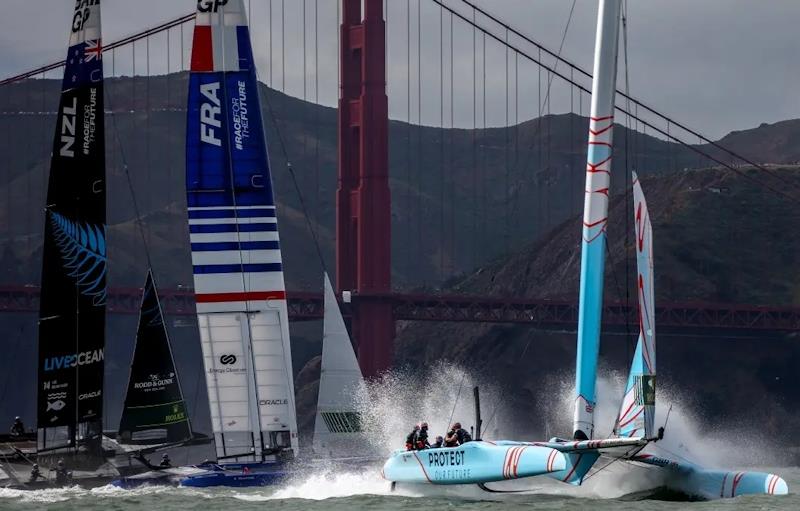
<point x="541" y="313"/>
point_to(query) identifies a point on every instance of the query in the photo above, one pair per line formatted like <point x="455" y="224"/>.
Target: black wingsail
<point x="73" y="297"/>
<point x="154" y="412"/>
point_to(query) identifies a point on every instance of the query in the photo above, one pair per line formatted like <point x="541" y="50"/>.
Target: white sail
<point x="236" y="256"/>
<point x="337" y="428"/>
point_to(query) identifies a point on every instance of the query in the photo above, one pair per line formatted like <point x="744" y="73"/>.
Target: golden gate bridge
<point x="502" y="63"/>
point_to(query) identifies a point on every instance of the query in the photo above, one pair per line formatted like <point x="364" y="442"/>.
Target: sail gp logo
<point x="210" y="5"/>
<point x="69" y="361"/>
<point x="210" y="112"/>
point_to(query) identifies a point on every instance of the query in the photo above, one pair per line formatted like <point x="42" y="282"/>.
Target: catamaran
<point x="73" y="285"/>
<point x="236" y="257"/>
<point x="482" y="462"/>
<point x="154" y="416"/>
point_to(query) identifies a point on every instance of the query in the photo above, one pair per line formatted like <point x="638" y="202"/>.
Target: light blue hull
<point x="473" y="462"/>
<point x="710" y="484"/>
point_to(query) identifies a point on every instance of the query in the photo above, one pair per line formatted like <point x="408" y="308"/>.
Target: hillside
<point x="509" y="226"/>
<point x="460" y="197"/>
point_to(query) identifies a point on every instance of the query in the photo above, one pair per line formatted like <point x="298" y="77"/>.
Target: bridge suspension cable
<point x="624" y="94"/>
<point x="665" y="132"/>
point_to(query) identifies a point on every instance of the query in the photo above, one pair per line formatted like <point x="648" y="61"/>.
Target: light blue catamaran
<point x="481" y="462"/>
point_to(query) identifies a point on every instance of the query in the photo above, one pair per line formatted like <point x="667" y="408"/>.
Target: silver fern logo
<point x="83" y="252"/>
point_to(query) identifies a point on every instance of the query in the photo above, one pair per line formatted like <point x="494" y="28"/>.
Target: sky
<point x="716" y="65"/>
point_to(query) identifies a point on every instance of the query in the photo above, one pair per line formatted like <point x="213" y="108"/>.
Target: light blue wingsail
<point x="638" y="406"/>
<point x="83" y="250"/>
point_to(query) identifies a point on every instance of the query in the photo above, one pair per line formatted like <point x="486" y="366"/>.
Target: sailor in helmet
<point x="411" y="438"/>
<point x="35" y="473"/>
<point x="422" y="437"/>
<point x="165" y="461"/>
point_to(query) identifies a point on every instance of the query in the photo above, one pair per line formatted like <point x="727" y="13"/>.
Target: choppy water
<point x="388" y="411"/>
<point x="346" y="491"/>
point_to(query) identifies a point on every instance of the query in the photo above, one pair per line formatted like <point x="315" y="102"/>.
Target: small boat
<point x="236" y="257"/>
<point x="154" y="416"/>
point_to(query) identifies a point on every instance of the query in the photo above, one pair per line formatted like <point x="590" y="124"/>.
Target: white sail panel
<point x="337" y="426"/>
<point x="229" y="384"/>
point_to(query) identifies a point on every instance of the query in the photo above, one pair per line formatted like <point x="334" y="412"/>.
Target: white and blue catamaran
<point x="570" y="461"/>
<point x="236" y="257"/>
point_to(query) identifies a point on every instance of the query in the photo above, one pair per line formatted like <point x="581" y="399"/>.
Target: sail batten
<point x="73" y="286"/>
<point x="236" y="257"/>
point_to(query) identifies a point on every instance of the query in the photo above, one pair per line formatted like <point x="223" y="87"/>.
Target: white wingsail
<point x="337" y="428"/>
<point x="638" y="406"/>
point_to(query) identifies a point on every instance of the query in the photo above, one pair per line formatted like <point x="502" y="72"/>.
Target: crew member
<point x="411" y="438"/>
<point x="17" y="428"/>
<point x="462" y="434"/>
<point x="422" y="437"/>
<point x="438" y="443"/>
<point x="451" y="439"/>
<point x="35" y="473"/>
<point x="62" y="476"/>
<point x="165" y="461"/>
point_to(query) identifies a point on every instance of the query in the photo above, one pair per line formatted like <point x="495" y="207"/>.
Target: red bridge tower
<point x="363" y="207"/>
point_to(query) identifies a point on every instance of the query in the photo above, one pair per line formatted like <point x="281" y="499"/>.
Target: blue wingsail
<point x="595" y="216"/>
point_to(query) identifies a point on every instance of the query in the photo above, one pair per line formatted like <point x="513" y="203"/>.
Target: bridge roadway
<point x="690" y="318"/>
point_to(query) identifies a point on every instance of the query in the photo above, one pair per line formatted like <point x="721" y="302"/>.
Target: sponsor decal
<point x="446" y="459"/>
<point x="89" y="395"/>
<point x="228" y="360"/>
<point x="56" y="395"/>
<point x="273" y="402"/>
<point x="176" y="415"/>
<point x="241" y="123"/>
<point x="68" y="120"/>
<point x="56" y="405"/>
<point x="83" y="12"/>
<point x="89" y="115"/>
<point x="156" y="382"/>
<point x="69" y="361"/>
<point x="54" y="385"/>
<point x="210" y="114"/>
<point x="447" y="465"/>
<point x="210" y="5"/>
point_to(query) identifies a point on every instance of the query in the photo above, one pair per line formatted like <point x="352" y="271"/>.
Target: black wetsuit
<point x="463" y="436"/>
<point x="17" y="429"/>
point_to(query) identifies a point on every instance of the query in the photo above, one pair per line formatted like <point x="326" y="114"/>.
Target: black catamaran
<point x="73" y="296"/>
<point x="155" y="412"/>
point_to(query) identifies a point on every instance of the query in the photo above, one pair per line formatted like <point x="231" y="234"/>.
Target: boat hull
<point x="473" y="462"/>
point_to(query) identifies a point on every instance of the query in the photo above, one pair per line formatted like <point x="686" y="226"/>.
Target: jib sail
<point x="73" y="296"/>
<point x="155" y="411"/>
<point x="236" y="257"/>
<point x="638" y="409"/>
<point x="337" y="427"/>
